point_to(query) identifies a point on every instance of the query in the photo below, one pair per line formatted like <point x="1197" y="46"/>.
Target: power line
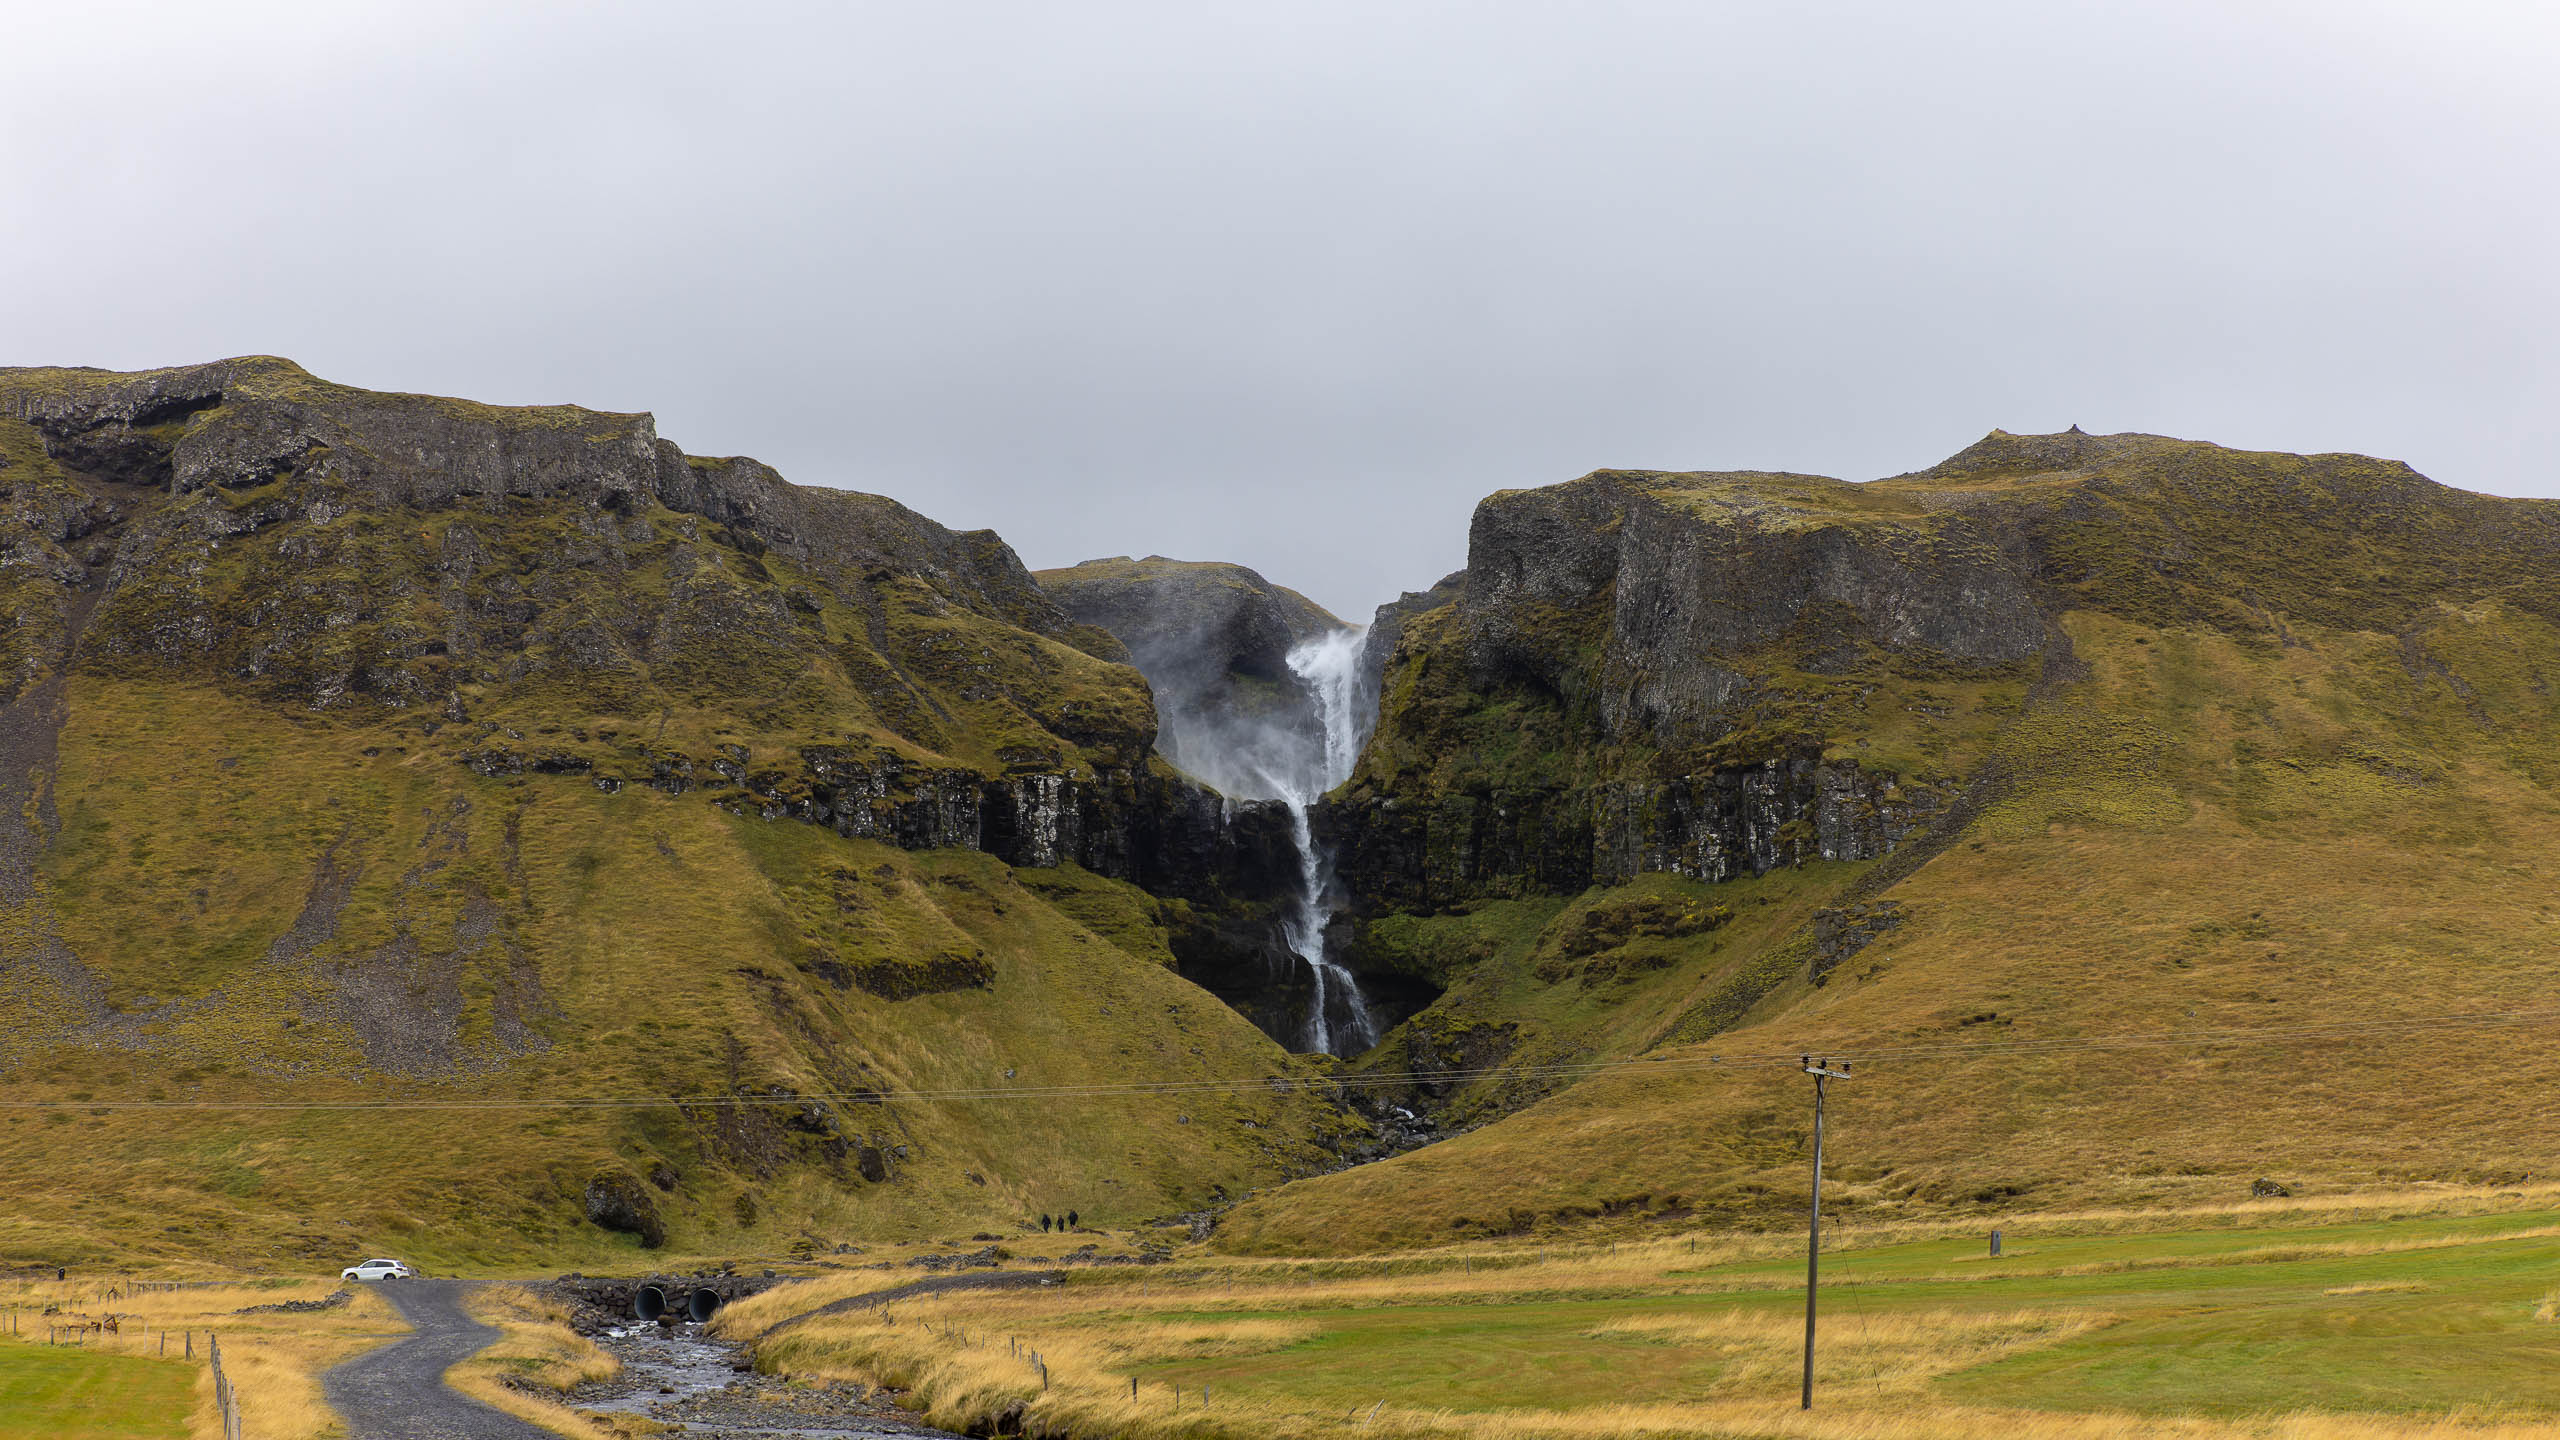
<point x="1293" y="1084"/>
<point x="1822" y="1073"/>
<point x="2170" y="1039"/>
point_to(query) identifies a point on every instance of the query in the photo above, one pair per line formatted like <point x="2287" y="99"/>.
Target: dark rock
<point x="1842" y="932"/>
<point x="1742" y="820"/>
<point x="616" y="1201"/>
<point x="332" y="1301"/>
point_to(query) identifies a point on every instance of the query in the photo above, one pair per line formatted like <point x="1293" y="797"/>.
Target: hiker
<point x="1044" y="1224"/>
<point x="1071" y="1219"/>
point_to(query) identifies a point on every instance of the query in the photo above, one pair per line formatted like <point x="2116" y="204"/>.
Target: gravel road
<point x="931" y="1285"/>
<point x="398" y="1392"/>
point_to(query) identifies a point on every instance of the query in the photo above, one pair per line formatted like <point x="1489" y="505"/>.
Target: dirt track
<point x="987" y="1280"/>
<point x="398" y="1392"/>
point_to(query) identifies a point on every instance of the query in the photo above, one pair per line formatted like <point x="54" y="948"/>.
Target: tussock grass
<point x="1759" y="1351"/>
<point x="537" y="1350"/>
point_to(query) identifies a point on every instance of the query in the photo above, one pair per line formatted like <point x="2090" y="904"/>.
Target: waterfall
<point x="1272" y="749"/>
<point x="1329" y="666"/>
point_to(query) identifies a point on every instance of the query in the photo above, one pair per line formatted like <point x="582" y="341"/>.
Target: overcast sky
<point x="1295" y="284"/>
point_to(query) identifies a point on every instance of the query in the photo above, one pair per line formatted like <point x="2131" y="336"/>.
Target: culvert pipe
<point x="702" y="1305"/>
<point x="648" y="1302"/>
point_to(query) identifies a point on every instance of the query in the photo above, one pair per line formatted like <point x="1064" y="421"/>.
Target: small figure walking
<point x="1044" y="1224"/>
<point x="1071" y="1219"/>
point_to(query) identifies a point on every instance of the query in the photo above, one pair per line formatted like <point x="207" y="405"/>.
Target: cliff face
<point x="2067" y="736"/>
<point x="1644" y="673"/>
<point x="348" y="736"/>
<point x="1717" y="674"/>
<point x="349" y="552"/>
<point x="1712" y="826"/>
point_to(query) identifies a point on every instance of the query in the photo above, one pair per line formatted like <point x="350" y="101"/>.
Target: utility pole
<point x="1813" y="1245"/>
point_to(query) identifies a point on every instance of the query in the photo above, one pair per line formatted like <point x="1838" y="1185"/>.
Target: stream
<point x="682" y="1377"/>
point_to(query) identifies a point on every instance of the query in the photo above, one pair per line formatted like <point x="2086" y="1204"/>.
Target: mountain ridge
<point x="370" y="745"/>
<point x="361" y="741"/>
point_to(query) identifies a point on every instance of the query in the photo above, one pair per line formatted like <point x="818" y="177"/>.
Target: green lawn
<point x="2214" y="1322"/>
<point x="66" y="1393"/>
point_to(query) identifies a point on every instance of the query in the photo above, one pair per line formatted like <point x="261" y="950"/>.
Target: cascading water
<point x="1281" y="751"/>
<point x="1329" y="666"/>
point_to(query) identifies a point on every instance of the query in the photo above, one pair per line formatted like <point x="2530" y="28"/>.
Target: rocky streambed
<point x="675" y="1373"/>
<point x="705" y="1387"/>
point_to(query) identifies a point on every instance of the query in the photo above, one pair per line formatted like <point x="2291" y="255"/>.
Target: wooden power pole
<point x="1821" y="1073"/>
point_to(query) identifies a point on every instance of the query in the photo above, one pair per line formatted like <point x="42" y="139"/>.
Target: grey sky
<point x="1294" y="284"/>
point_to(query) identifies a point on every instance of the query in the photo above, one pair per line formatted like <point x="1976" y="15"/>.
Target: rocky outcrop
<point x="239" y="425"/>
<point x="520" y="581"/>
<point x="1641" y="673"/>
<point x="1192" y="621"/>
<point x="1639" y="593"/>
<point x="616" y="1200"/>
<point x="1386" y="632"/>
<point x="1743" y="820"/>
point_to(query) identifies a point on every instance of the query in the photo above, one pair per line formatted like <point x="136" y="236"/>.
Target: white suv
<point x="378" y="1270"/>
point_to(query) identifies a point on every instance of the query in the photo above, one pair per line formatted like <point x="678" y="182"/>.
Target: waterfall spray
<point x="1329" y="667"/>
<point x="1268" y="750"/>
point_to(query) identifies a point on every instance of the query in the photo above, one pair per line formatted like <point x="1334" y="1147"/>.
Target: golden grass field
<point x="2399" y="1315"/>
<point x="539" y="1348"/>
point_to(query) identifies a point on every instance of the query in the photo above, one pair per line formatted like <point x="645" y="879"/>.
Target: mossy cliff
<point x="357" y="741"/>
<point x="2069" y="735"/>
<point x="1715" y="674"/>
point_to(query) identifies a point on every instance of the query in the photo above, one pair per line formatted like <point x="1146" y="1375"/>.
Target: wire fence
<point x="225" y="1398"/>
<point x="137" y="1337"/>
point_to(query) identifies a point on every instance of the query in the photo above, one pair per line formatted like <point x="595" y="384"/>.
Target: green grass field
<point x="2380" y="1323"/>
<point x="2216" y="1323"/>
<point x="66" y="1393"/>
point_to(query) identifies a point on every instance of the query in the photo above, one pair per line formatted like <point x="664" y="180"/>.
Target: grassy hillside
<point x="2282" y="819"/>
<point x="292" y="917"/>
<point x="394" y="751"/>
<point x="330" y="785"/>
